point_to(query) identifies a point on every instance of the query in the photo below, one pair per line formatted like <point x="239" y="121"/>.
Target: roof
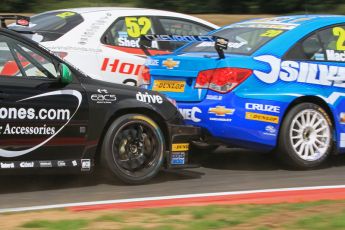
<point x="298" y="19"/>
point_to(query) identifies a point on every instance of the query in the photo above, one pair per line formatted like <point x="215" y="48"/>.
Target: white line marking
<point x="119" y="201"/>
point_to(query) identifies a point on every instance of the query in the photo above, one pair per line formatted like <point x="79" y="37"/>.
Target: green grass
<point x="310" y="215"/>
<point x="57" y="225"/>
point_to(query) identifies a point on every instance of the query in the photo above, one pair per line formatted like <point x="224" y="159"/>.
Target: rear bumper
<point x="181" y="137"/>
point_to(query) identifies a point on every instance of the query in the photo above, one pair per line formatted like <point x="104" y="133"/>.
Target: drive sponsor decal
<point x="263" y="107"/>
<point x="180" y="147"/>
<point x="29" y="114"/>
<point x="304" y="72"/>
<point x="191" y="114"/>
<point x="262" y="117"/>
<point x="149" y="98"/>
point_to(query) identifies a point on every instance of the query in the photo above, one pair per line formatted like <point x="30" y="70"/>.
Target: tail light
<point x="61" y="55"/>
<point x="222" y="80"/>
<point x="144" y="77"/>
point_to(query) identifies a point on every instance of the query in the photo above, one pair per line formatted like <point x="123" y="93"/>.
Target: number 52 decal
<point x="137" y="26"/>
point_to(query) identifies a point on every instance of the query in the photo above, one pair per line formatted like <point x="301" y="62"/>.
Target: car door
<point x="323" y="56"/>
<point x="40" y="117"/>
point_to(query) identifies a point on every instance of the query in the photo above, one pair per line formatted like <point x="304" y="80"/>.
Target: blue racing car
<point x="266" y="84"/>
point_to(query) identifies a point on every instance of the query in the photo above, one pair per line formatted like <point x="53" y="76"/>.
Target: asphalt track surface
<point x="225" y="170"/>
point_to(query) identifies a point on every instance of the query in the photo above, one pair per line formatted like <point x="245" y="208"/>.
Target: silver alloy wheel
<point x="310" y="135"/>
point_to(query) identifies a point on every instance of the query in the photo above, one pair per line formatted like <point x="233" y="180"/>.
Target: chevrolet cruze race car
<point x="54" y="117"/>
<point x="103" y="42"/>
<point x="278" y="85"/>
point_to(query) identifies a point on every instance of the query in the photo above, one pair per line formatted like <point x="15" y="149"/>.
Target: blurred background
<point x="187" y="6"/>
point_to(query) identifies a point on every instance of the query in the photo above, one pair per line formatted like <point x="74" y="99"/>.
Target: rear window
<point x="52" y="25"/>
<point x="242" y="40"/>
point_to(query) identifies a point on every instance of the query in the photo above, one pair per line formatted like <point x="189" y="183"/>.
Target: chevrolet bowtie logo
<point x="170" y="63"/>
<point x="221" y="111"/>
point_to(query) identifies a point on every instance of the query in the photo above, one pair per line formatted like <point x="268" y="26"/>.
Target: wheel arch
<point x="318" y="101"/>
<point x="156" y="117"/>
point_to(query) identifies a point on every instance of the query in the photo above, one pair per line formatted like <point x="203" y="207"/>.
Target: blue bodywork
<point x="275" y="85"/>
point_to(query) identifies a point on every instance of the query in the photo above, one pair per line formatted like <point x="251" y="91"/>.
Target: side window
<point x="308" y="49"/>
<point x="333" y="41"/>
<point x="126" y="31"/>
<point x="324" y="45"/>
<point x="181" y="27"/>
<point x="8" y="65"/>
<point x="19" y="60"/>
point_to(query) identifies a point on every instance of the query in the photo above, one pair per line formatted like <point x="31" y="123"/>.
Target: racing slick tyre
<point x="133" y="149"/>
<point x="305" y="139"/>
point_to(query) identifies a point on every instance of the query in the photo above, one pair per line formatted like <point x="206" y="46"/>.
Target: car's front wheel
<point x="133" y="149"/>
<point x="305" y="139"/>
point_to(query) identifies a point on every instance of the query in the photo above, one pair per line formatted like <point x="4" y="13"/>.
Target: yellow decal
<point x="271" y="33"/>
<point x="221" y="111"/>
<point x="137" y="26"/>
<point x="170" y="63"/>
<point x="169" y="86"/>
<point x="262" y="117"/>
<point x="180" y="147"/>
<point x="340" y="33"/>
<point x="65" y="14"/>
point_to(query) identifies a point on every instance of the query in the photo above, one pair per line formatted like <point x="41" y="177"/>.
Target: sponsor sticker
<point x="27" y="164"/>
<point x="5" y="165"/>
<point x="262" y="117"/>
<point x="46" y="164"/>
<point x="214" y="97"/>
<point x="270" y="130"/>
<point x="85" y="164"/>
<point x="170" y="63"/>
<point x="221" y="111"/>
<point x="149" y="98"/>
<point x="169" y="86"/>
<point x="103" y="97"/>
<point x="61" y="163"/>
<point x="180" y="147"/>
<point x="263" y="107"/>
<point x="191" y="114"/>
<point x="178" y="158"/>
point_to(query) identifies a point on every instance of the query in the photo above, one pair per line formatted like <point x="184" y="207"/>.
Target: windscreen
<point x="50" y="26"/>
<point x="242" y="40"/>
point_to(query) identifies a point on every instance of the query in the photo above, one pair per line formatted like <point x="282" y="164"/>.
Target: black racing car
<point x="52" y="116"/>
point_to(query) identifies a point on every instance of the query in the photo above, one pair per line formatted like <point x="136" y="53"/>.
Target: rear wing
<point x="20" y="20"/>
<point x="220" y="44"/>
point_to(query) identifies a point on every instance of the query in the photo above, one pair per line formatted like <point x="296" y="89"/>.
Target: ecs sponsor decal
<point x="262" y="107"/>
<point x="121" y="67"/>
<point x="191" y="114"/>
<point x="304" y="72"/>
<point x="103" y="97"/>
<point x="149" y="98"/>
<point x="262" y="117"/>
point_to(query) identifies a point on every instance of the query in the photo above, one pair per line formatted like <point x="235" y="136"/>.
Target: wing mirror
<point x="65" y="74"/>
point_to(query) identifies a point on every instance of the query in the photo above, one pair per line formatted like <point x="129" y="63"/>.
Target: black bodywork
<point x="45" y="123"/>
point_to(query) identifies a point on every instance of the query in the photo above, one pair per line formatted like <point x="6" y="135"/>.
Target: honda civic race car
<point x="103" y="42"/>
<point x="53" y="116"/>
<point x="267" y="84"/>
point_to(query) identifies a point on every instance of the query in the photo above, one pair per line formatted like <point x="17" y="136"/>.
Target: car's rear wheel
<point x="133" y="149"/>
<point x="305" y="139"/>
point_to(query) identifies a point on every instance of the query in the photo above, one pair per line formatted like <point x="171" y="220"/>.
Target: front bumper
<point x="181" y="137"/>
